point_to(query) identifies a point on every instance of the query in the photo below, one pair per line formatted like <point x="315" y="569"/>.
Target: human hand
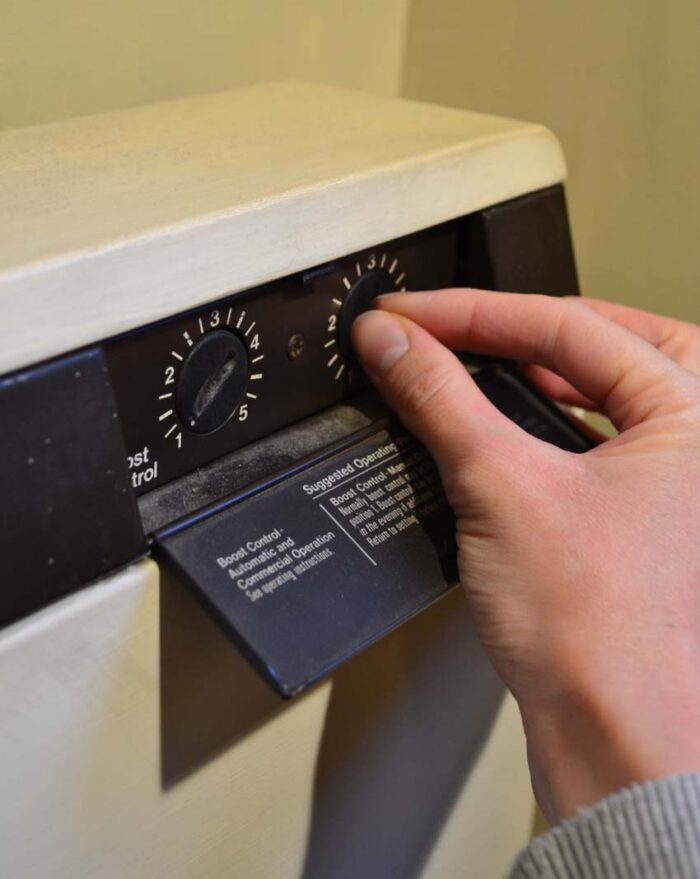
<point x="675" y="338"/>
<point x="582" y="571"/>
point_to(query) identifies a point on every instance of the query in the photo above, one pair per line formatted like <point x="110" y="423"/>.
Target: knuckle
<point x="420" y="390"/>
<point x="571" y="308"/>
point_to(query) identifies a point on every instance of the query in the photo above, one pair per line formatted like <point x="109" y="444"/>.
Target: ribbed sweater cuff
<point x="647" y="831"/>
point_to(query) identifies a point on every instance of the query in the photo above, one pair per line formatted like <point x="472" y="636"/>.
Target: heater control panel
<point x="205" y="383"/>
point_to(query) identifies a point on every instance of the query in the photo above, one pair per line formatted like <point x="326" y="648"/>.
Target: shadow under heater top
<point x="114" y="221"/>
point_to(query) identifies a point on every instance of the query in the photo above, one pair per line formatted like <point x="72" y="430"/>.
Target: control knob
<point x="359" y="298"/>
<point x="213" y="381"/>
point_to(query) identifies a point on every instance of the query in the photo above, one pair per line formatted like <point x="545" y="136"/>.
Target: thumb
<point x="431" y="391"/>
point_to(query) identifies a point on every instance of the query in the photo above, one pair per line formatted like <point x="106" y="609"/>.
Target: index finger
<point x="621" y="372"/>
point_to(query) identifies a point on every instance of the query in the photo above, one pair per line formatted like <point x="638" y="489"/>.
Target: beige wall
<point x="620" y="84"/>
<point x="62" y="58"/>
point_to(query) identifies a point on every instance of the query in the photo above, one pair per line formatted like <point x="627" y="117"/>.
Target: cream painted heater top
<point x="109" y="222"/>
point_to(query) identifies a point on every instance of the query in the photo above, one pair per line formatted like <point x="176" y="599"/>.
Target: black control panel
<point x="197" y="386"/>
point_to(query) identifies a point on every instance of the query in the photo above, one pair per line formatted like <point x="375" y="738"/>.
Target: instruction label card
<point x="311" y="570"/>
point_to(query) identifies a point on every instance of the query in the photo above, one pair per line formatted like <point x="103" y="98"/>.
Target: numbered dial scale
<point x="378" y="273"/>
<point x="197" y="386"/>
<point x="211" y="379"/>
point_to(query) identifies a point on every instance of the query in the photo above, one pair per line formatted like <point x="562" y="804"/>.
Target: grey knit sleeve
<point x="648" y="831"/>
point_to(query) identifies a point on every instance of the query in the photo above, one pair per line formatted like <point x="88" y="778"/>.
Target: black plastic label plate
<point x="309" y="571"/>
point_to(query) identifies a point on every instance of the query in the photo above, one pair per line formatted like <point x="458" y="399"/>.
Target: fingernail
<point x="379" y="341"/>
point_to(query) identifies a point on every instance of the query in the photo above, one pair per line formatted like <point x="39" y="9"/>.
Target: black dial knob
<point x="372" y="284"/>
<point x="212" y="382"/>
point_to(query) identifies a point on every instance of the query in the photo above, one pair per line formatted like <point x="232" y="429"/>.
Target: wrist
<point x="599" y="736"/>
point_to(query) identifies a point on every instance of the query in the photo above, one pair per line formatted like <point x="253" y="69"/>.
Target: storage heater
<point x="231" y="644"/>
